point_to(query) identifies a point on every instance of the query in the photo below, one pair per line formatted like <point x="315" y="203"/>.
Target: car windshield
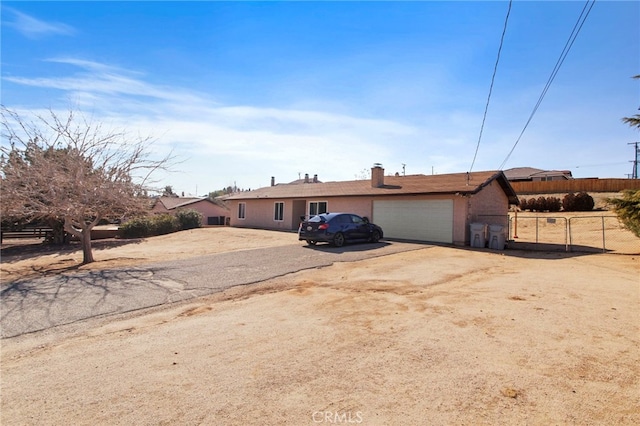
<point x="316" y="219"/>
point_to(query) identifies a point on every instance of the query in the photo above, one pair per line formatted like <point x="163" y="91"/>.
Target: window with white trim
<point x="241" y="210"/>
<point x="317" y="207"/>
<point x="278" y="211"/>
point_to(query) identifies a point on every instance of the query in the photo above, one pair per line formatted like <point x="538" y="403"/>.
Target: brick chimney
<point x="377" y="176"/>
<point x="315" y="178"/>
<point x="306" y="178"/>
<point x="273" y="181"/>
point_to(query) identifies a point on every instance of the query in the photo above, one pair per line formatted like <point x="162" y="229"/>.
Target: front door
<point x="298" y="213"/>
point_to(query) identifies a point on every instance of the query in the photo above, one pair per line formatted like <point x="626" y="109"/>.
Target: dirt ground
<point x="439" y="335"/>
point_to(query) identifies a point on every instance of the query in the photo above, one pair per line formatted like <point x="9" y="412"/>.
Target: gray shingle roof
<point x="526" y="173"/>
<point x="519" y="173"/>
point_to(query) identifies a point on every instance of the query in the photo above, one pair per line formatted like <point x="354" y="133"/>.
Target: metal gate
<point x="589" y="233"/>
<point x="539" y="233"/>
<point x="601" y="233"/>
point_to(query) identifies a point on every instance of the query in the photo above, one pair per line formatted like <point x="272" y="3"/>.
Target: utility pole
<point x="634" y="174"/>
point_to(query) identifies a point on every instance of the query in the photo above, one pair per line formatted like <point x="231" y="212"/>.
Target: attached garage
<point x="422" y="220"/>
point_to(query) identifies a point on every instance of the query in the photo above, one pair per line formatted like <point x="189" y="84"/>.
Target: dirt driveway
<point x="434" y="336"/>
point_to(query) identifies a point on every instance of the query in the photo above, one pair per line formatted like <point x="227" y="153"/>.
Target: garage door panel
<point x="425" y="220"/>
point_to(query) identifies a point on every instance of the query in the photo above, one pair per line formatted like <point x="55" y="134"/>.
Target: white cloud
<point x="99" y="78"/>
<point x="226" y="143"/>
<point x="35" y="28"/>
<point x="221" y="144"/>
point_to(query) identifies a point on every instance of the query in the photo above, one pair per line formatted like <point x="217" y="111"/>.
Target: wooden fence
<point x="36" y="232"/>
<point x="575" y="185"/>
<point x="44" y="232"/>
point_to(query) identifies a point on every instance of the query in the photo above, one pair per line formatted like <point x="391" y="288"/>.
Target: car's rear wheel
<point x="338" y="240"/>
<point x="312" y="242"/>
<point x="375" y="237"/>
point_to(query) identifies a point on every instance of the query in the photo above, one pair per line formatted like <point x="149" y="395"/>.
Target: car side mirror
<point x="366" y="219"/>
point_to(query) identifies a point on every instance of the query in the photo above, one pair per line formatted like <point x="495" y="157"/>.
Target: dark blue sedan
<point x="338" y="228"/>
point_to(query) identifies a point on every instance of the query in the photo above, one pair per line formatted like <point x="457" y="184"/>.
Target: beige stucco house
<point x="433" y="208"/>
<point x="213" y="212"/>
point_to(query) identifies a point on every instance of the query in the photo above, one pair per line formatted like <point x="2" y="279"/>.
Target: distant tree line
<point x="226" y="191"/>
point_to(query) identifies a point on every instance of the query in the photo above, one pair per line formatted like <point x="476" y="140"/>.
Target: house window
<point x="241" y="209"/>
<point x="317" y="207"/>
<point x="278" y="211"/>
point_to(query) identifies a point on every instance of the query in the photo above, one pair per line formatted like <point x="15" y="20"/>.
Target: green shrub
<point x="628" y="209"/>
<point x="582" y="202"/>
<point x="137" y="228"/>
<point x="554" y="204"/>
<point x="568" y="202"/>
<point x="165" y="224"/>
<point x="541" y="204"/>
<point x="524" y="204"/>
<point x="149" y="226"/>
<point x="189" y="219"/>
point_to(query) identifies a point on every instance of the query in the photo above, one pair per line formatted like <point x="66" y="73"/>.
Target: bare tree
<point x="72" y="170"/>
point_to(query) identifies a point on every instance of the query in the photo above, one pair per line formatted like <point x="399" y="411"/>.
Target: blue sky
<point x="242" y="91"/>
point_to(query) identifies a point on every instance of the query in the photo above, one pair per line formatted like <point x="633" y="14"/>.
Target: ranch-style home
<point x="431" y="208"/>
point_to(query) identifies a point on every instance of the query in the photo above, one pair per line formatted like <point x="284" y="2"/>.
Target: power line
<point x="493" y="77"/>
<point x="634" y="174"/>
<point x="601" y="164"/>
<point x="565" y="51"/>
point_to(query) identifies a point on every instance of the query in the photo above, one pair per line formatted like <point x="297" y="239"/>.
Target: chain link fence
<point x="580" y="233"/>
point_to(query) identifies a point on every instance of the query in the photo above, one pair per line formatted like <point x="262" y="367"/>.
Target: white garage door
<point x="415" y="220"/>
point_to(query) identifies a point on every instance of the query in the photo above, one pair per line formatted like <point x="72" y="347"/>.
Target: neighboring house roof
<point x="521" y="173"/>
<point x="456" y="183"/>
<point x="171" y="203"/>
<point x="549" y="173"/>
<point x="528" y="173"/>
